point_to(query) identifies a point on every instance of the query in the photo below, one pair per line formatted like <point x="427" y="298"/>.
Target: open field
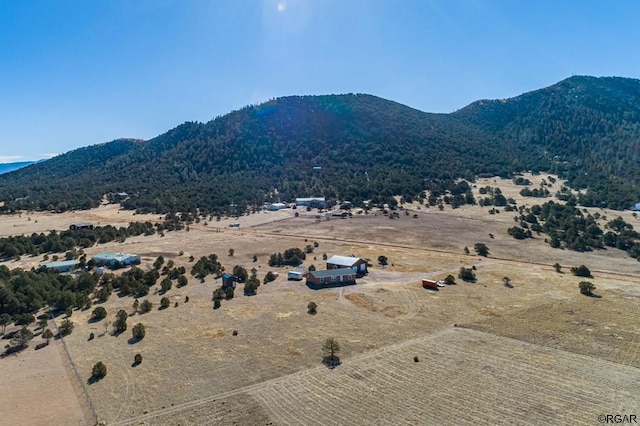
<point x="462" y="377"/>
<point x="38" y="385"/>
<point x="194" y="371"/>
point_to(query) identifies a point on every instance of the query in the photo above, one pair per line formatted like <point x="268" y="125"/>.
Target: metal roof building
<point x="358" y="265"/>
<point x="114" y="259"/>
<point x="61" y="266"/>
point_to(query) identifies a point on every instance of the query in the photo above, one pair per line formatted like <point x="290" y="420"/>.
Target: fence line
<point x="85" y="400"/>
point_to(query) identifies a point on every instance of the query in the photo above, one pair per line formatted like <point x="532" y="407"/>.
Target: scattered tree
<point x="331" y="348"/>
<point x="216" y="304"/>
<point x="182" y="281"/>
<point x="47" y="335"/>
<point x="312" y="308"/>
<point x="481" y="249"/>
<point x="98" y="371"/>
<point x="66" y="327"/>
<point x="138" y="331"/>
<point x="466" y="250"/>
<point x="21" y="339"/>
<point x="120" y="324"/>
<point x="103" y="295"/>
<point x="586" y="288"/>
<point x="5" y="320"/>
<point x="218" y="294"/>
<point x="581" y="271"/>
<point x="507" y="282"/>
<point x="43" y="321"/>
<point x="241" y="273"/>
<point x="269" y="276"/>
<point x="229" y="291"/>
<point x="250" y="288"/>
<point x="467" y="274"/>
<point x="165" y="285"/>
<point x="159" y="262"/>
<point x="98" y="313"/>
<point x="164" y="303"/>
<point x="231" y="252"/>
<point x="312" y="268"/>
<point x="450" y="280"/>
<point x="557" y="267"/>
<point x="137" y="359"/>
<point x="91" y="336"/>
<point x="146" y="306"/>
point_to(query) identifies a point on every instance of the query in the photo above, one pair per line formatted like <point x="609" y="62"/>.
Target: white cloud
<point x="10" y="158"/>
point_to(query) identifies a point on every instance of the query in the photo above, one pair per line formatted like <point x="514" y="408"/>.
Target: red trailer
<point x="433" y="285"/>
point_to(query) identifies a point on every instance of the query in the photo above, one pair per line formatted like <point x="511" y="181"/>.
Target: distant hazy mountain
<point x="9" y="167"/>
<point x="356" y="147"/>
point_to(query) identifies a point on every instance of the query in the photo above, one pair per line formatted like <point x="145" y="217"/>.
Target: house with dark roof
<point x="359" y="266"/>
<point x="331" y="277"/>
<point x="82" y="225"/>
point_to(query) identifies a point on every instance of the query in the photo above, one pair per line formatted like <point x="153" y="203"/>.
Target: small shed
<point x="61" y="266"/>
<point x="330" y="277"/>
<point x="359" y="266"/>
<point x="229" y="280"/>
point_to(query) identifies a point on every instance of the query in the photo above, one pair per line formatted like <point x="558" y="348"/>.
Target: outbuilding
<point x="342" y="276"/>
<point x="359" y="266"/>
<point x="314" y="202"/>
<point x="82" y="225"/>
<point x="114" y="260"/>
<point x="295" y="275"/>
<point x="61" y="266"/>
<point x="276" y="206"/>
<point x="229" y="280"/>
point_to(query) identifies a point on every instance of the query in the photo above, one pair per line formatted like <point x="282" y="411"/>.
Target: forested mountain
<point x="354" y="147"/>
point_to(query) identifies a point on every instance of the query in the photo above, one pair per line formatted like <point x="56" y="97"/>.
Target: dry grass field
<point x="538" y="352"/>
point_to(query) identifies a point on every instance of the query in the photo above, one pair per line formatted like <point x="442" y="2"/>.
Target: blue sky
<point x="78" y="73"/>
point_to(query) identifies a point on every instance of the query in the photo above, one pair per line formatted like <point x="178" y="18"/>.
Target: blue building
<point x="112" y="260"/>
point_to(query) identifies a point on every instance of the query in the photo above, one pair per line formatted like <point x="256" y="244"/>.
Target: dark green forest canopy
<point x="354" y="147"/>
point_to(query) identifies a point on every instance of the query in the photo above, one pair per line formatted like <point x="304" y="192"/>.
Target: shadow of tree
<point x="331" y="361"/>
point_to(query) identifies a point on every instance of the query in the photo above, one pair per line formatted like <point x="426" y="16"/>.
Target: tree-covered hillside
<point x="353" y="147"/>
<point x="589" y="126"/>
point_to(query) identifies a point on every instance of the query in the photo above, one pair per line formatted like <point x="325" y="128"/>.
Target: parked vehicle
<point x="430" y="284"/>
<point x="295" y="275"/>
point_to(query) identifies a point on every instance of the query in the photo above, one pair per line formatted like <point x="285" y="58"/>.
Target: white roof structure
<point x="343" y="260"/>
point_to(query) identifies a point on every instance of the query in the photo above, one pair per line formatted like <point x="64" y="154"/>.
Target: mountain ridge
<point x="367" y="147"/>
